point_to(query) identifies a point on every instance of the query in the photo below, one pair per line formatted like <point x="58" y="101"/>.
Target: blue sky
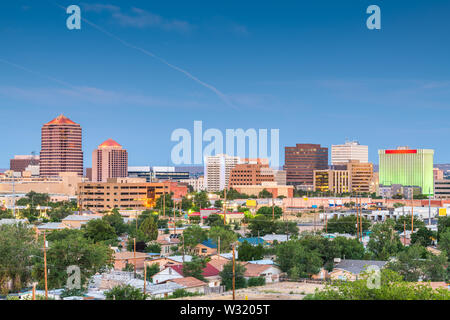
<point x="309" y="68"/>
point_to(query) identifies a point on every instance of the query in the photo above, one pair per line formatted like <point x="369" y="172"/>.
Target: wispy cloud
<point x="93" y="96"/>
<point x="139" y="18"/>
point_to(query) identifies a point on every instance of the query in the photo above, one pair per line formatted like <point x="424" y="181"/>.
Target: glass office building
<point x="408" y="167"/>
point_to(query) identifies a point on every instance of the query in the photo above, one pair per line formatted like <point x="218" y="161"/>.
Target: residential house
<point x="75" y="221"/>
<point x="210" y="273"/>
<point x="254" y="241"/>
<point x="191" y="284"/>
<point x="351" y="269"/>
<point x="268" y="271"/>
<point x="206" y="248"/>
<point x="122" y="258"/>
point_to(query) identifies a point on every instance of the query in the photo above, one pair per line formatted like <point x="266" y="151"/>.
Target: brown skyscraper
<point x="301" y="161"/>
<point x="61" y="147"/>
<point x="109" y="160"/>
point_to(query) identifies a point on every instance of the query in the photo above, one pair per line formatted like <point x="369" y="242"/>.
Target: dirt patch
<point x="273" y="291"/>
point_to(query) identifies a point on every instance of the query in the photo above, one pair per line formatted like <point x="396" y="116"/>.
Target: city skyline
<point x="331" y="72"/>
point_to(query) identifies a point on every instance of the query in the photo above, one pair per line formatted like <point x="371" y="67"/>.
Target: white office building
<point x="351" y="150"/>
<point x="217" y="171"/>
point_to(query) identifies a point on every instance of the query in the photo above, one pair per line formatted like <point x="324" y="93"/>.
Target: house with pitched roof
<point x="190" y="284"/>
<point x="210" y="273"/>
<point x="269" y="272"/>
<point x="206" y="248"/>
<point x="351" y="269"/>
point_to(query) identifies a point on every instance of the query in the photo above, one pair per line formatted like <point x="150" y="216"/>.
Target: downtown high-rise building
<point x="407" y="167"/>
<point x="217" y="171"/>
<point x="109" y="160"/>
<point x="349" y="151"/>
<point x="61" y="148"/>
<point x="301" y="161"/>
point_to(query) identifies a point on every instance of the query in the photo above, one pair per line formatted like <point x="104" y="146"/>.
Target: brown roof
<point x="219" y="263"/>
<point x="189" y="282"/>
<point x="255" y="270"/>
<point x="128" y="255"/>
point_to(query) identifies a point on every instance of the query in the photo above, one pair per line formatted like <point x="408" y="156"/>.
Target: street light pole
<point x="234" y="276"/>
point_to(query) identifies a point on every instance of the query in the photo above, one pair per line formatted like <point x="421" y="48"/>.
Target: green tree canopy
<point x="392" y="287"/>
<point x="268" y="212"/>
<point x="227" y="237"/>
<point x="264" y="194"/>
<point x="227" y="276"/>
<point x="194" y="235"/>
<point x="17" y="247"/>
<point x="248" y="252"/>
<point x="125" y="292"/>
<point x="384" y="241"/>
<point x="100" y="230"/>
<point x="194" y="268"/>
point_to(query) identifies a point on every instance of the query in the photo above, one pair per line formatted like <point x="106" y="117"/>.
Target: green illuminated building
<point x="408" y="167"/>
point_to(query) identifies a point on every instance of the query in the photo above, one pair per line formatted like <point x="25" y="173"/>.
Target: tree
<point x="116" y="221"/>
<point x="218" y="204"/>
<point x="17" y="248"/>
<point x="168" y="202"/>
<point x="384" y="241"/>
<point x="443" y="226"/>
<point x="264" y="194"/>
<point x="149" y="229"/>
<point x="423" y="236"/>
<point x="194" y="268"/>
<point x="444" y="242"/>
<point x="392" y="287"/>
<point x="100" y="230"/>
<point x="256" y="281"/>
<point x="214" y="220"/>
<point x="152" y="270"/>
<point x="227" y="237"/>
<point x="125" y="292"/>
<point x="201" y="200"/>
<point x="186" y="203"/>
<point x="194" y="235"/>
<point x="297" y="260"/>
<point x="261" y="225"/>
<point x="227" y="276"/>
<point x="34" y="199"/>
<point x="346" y="224"/>
<point x="409" y="263"/>
<point x="77" y="250"/>
<point x="153" y="248"/>
<point x="267" y="212"/>
<point x="405" y="222"/>
<point x="247" y="252"/>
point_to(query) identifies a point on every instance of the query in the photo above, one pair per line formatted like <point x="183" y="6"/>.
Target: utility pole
<point x="404" y="233"/>
<point x="34" y="291"/>
<point x="218" y="245"/>
<point x="14" y="196"/>
<point x="45" y="268"/>
<point x="360" y="217"/>
<point x="429" y="207"/>
<point x="234" y="276"/>
<point x="412" y="211"/>
<point x="357" y="219"/>
<point x="134" y="255"/>
<point x="273" y="210"/>
<point x="145" y="279"/>
<point x="164" y="199"/>
<point x="225" y="206"/>
<point x="182" y="235"/>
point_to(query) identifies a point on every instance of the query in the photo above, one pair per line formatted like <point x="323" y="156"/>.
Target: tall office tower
<point x="109" y="160"/>
<point x="217" y="171"/>
<point x="351" y="150"/>
<point x="301" y="161"/>
<point x="408" y="167"/>
<point x="61" y="147"/>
